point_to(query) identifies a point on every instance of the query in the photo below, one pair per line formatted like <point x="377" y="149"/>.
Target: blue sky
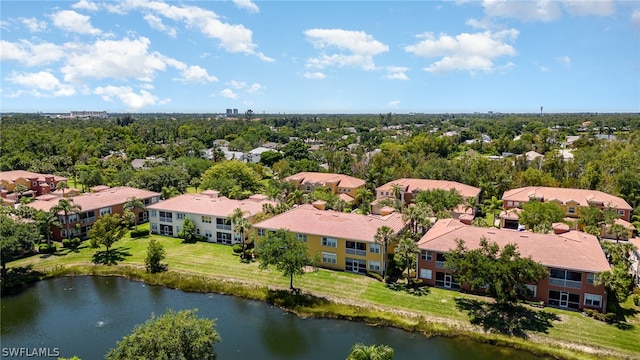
<point x="320" y="56"/>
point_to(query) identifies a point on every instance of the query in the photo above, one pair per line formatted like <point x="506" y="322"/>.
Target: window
<point x="329" y="258"/>
<point x="197" y="231"/>
<point x="590" y="278"/>
<point x="564" y="299"/>
<point x="308" y="188"/>
<point x="592" y="300"/>
<point x="374" y="265"/>
<point x="509" y="203"/>
<point x="166" y="216"/>
<point x="73" y="218"/>
<point x="154" y="199"/>
<point x="166" y="230"/>
<point x="223" y="224"/>
<point x="154" y="213"/>
<point x="572" y="209"/>
<point x="426" y="274"/>
<point x="104" y="211"/>
<point x="355" y="265"/>
<point x="356" y="248"/>
<point x="260" y="232"/>
<point x="206" y="219"/>
<point x="565" y="278"/>
<point x="180" y="216"/>
<point x="426" y="255"/>
<point x="621" y="212"/>
<point x="208" y="234"/>
<point x="533" y="289"/>
<point x="154" y="227"/>
<point x="301" y="237"/>
<point x="374" y="248"/>
<point x="330" y="242"/>
<point x="224" y="238"/>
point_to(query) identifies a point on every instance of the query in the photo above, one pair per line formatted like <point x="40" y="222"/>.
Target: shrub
<point x="66" y="243"/>
<point x="375" y="275"/>
<point x="46" y="248"/>
<point x="75" y="242"/>
<point x="136" y="233"/>
<point x="608" y="317"/>
<point x="636" y="299"/>
<point x="237" y="248"/>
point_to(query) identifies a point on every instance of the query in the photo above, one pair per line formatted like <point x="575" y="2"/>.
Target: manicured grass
<point x="213" y="267"/>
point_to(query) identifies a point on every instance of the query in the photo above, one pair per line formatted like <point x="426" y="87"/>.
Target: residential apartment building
<point x="103" y="200"/>
<point x="573" y="259"/>
<point x="337" y="183"/>
<point x="343" y="241"/>
<point x="409" y="189"/>
<point x="209" y="211"/>
<point x="36" y="184"/>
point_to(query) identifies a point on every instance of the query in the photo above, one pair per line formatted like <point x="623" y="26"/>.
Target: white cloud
<point x="34" y="25"/>
<point x="546" y="10"/>
<point x="197" y="74"/>
<point x="589" y="7"/>
<point x="232" y="38"/>
<point x="467" y="52"/>
<point x="237" y="84"/>
<point x="393" y="104"/>
<point x="156" y="23"/>
<point x="635" y="18"/>
<point x="42" y="84"/>
<point x="30" y="54"/>
<point x="360" y="47"/>
<point x="71" y="21"/>
<point x="127" y="59"/>
<point x="229" y="94"/>
<point x="396" y="73"/>
<point x="254" y="88"/>
<point x="544" y="68"/>
<point x="247" y="5"/>
<point x="132" y="100"/>
<point x="86" y="5"/>
<point x="565" y="60"/>
<point x="314" y="75"/>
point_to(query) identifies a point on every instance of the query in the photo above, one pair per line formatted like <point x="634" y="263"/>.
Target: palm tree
<point x="67" y="207"/>
<point x="396" y="191"/>
<point x="407" y="250"/>
<point x="492" y="205"/>
<point x="471" y="203"/>
<point x="242" y="226"/>
<point x="374" y="352"/>
<point x="132" y="204"/>
<point x="339" y="205"/>
<point x="62" y="185"/>
<point x="45" y="220"/>
<point x="384" y="236"/>
<point x="363" y="198"/>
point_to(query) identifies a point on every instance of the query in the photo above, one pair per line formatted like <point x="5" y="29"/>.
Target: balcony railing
<point x="441" y="265"/>
<point x="565" y="283"/>
<point x="166" y="219"/>
<point x="356" y="252"/>
<point x="223" y="227"/>
<point x="88" y="220"/>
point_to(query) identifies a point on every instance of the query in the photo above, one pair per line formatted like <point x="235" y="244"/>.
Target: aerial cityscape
<point x="316" y="180"/>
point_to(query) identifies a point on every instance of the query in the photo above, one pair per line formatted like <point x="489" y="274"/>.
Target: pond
<point x="86" y="316"/>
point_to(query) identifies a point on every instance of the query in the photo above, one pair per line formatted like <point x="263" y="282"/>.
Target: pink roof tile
<point x="581" y="196"/>
<point x="411" y="185"/>
<point x="341" y="180"/>
<point x="12" y="175"/>
<point x="309" y="220"/>
<point x="572" y="250"/>
<point x="94" y="201"/>
<point x="211" y="206"/>
<point x="346" y="198"/>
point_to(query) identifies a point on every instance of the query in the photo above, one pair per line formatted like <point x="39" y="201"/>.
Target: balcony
<point x="356" y="252"/>
<point x="165" y="219"/>
<point x="441" y="265"/>
<point x="565" y="283"/>
<point x="88" y="220"/>
<point x="223" y="227"/>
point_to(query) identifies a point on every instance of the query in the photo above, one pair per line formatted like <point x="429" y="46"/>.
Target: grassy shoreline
<point x="211" y="268"/>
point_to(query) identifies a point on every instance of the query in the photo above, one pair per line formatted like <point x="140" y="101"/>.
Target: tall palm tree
<point x="46" y="220"/>
<point x="132" y="204"/>
<point x="62" y="185"/>
<point x="374" y="352"/>
<point x="363" y="198"/>
<point x="67" y="207"/>
<point x="242" y="226"/>
<point x="407" y="249"/>
<point x="493" y="205"/>
<point x="384" y="236"/>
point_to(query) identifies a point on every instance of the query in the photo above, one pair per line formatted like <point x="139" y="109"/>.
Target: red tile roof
<point x="341" y="180"/>
<point x="574" y="250"/>
<point x="94" y="201"/>
<point x="308" y="220"/>
<point x="212" y="206"/>
<point x="581" y="196"/>
<point x="411" y="185"/>
<point x="11" y="176"/>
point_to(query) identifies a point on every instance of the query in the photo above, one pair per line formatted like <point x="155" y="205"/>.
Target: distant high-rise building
<point x="229" y="112"/>
<point x="235" y="111"/>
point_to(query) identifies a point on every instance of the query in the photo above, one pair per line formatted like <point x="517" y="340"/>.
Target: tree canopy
<point x="106" y="231"/>
<point x="502" y="272"/>
<point x="232" y="178"/>
<point x="16" y="239"/>
<point x="286" y="253"/>
<point x="372" y="352"/>
<point x="540" y="216"/>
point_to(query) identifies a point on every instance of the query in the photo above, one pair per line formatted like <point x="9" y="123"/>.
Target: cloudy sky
<point x="320" y="56"/>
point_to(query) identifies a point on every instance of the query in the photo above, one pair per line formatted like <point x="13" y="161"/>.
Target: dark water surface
<point x="86" y="316"/>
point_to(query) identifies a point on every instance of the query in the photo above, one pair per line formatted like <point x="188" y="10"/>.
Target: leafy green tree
<point x="106" y="231"/>
<point x="195" y="182"/>
<point x="540" y="216"/>
<point x="67" y="207"/>
<point x="493" y="206"/>
<point x="618" y="281"/>
<point x="283" y="251"/>
<point x="591" y="219"/>
<point x="385" y="237"/>
<point x="132" y="204"/>
<point x="62" y="185"/>
<point x="407" y="252"/>
<point x="46" y="220"/>
<point x="268" y="158"/>
<point x="502" y="271"/>
<point x="372" y="352"/>
<point x="174" y="335"/>
<point x="20" y="189"/>
<point x="295" y="150"/>
<point x="157" y="177"/>
<point x="439" y="199"/>
<point x="232" y="178"/>
<point x="16" y="239"/>
<point x="188" y="232"/>
<point x="168" y="192"/>
<point x="155" y="255"/>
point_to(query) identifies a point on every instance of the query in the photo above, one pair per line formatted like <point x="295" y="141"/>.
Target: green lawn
<point x="438" y="305"/>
